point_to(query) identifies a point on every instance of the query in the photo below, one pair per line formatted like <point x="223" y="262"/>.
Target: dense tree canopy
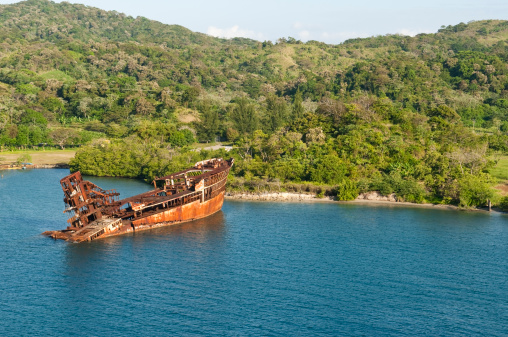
<point x="416" y="116"/>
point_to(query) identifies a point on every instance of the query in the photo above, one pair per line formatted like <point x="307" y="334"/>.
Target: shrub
<point x="24" y="158"/>
<point x="473" y="191"/>
<point x="406" y="188"/>
<point x="347" y="190"/>
<point x="328" y="170"/>
<point x="411" y="191"/>
<point x="503" y="204"/>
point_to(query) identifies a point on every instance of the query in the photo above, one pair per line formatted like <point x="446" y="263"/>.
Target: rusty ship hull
<point x="184" y="196"/>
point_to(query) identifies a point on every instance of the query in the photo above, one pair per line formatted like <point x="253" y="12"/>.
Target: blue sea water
<point x="254" y="269"/>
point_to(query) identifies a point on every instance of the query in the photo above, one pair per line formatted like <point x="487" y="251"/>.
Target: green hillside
<point x="417" y="116"/>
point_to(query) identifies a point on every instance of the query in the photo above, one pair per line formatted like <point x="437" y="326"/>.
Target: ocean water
<point x="254" y="269"/>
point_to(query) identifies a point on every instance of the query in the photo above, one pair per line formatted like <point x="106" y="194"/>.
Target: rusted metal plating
<point x="85" y="200"/>
<point x="183" y="196"/>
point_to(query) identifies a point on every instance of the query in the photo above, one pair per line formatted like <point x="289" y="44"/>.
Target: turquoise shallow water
<point x="254" y="269"/>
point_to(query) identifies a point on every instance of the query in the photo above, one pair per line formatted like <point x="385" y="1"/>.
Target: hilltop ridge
<point x="44" y="20"/>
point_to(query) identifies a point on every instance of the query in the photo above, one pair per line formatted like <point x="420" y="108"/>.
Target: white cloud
<point x="306" y="32"/>
<point x="232" y="32"/>
<point x="410" y="32"/>
<point x="304" y="35"/>
<point x="297" y="25"/>
<point x="337" y="37"/>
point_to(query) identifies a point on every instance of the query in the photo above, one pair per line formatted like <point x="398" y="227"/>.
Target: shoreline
<point x="277" y="196"/>
<point x="369" y="198"/>
<point x="29" y="167"/>
<point x="36" y="159"/>
<point x="292" y="197"/>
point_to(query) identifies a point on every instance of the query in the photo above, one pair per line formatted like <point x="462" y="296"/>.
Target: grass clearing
<point x="57" y="75"/>
<point x="46" y="157"/>
<point x="500" y="171"/>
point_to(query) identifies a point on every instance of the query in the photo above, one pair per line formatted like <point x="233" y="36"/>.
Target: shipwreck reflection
<point x="155" y="254"/>
<point x="202" y="230"/>
<point x="85" y="257"/>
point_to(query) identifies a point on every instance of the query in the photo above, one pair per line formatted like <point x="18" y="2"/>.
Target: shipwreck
<point x="191" y="194"/>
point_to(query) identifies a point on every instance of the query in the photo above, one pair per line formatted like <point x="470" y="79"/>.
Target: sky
<point x="322" y="20"/>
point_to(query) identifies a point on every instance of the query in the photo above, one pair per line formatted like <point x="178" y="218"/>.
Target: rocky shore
<point x="293" y="196"/>
<point x="277" y="196"/>
<point x="49" y="166"/>
<point x="371" y="198"/>
<point x="376" y="196"/>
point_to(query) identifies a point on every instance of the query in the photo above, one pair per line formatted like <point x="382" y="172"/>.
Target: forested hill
<point x="420" y="116"/>
<point x="41" y="20"/>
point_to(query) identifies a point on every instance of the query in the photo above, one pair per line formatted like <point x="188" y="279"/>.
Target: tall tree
<point x="297" y="108"/>
<point x="244" y="116"/>
<point x="276" y="112"/>
<point x="208" y="128"/>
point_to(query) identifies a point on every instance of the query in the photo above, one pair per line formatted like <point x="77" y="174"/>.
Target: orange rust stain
<point x="194" y="210"/>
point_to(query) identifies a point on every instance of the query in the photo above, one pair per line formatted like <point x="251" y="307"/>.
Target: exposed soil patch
<point x="503" y="188"/>
<point x="187" y="116"/>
